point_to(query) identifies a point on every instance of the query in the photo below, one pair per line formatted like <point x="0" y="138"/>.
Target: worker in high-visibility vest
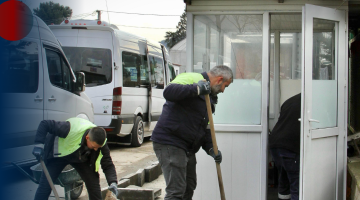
<point x="183" y="128"/>
<point x="77" y="142"/>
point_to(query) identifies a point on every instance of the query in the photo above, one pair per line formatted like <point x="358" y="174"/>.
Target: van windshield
<point x="94" y="62"/>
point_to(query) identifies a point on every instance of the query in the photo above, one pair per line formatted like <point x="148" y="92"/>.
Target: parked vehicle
<point x="38" y="84"/>
<point x="126" y="75"/>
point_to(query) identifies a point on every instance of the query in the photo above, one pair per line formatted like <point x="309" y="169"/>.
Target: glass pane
<point x="144" y="73"/>
<point x="324" y="84"/>
<point x="54" y="67"/>
<point x="171" y="72"/>
<point x="94" y="62"/>
<point x="19" y="67"/>
<point x="235" y="41"/>
<point x="134" y="70"/>
<point x="290" y="57"/>
<point x="290" y="65"/>
<point x="157" y="72"/>
<point x="67" y="77"/>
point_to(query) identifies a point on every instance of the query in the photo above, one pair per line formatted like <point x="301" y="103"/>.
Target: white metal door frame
<point x="338" y="132"/>
<point x="265" y="102"/>
<point x="233" y="128"/>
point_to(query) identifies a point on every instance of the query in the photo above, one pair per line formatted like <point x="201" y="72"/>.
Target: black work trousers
<point x="55" y="167"/>
<point x="288" y="165"/>
<point x="179" y="171"/>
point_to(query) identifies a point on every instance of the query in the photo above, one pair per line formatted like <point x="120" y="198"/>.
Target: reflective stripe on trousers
<point x="284" y="196"/>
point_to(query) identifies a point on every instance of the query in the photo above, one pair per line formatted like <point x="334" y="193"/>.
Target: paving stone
<point x="138" y="193"/>
<point x="123" y="183"/>
<point x="157" y="192"/>
<point x="103" y="192"/>
<point x="141" y="177"/>
<point x="152" y="172"/>
<point x="159" y="168"/>
<point x="133" y="178"/>
<point x="134" y="187"/>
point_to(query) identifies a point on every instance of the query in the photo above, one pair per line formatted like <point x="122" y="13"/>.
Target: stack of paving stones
<point x="130" y="186"/>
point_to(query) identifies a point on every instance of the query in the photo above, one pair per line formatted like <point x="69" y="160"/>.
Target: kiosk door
<point x="324" y="102"/>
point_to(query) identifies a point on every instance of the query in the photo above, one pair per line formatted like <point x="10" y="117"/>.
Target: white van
<point x="38" y="84"/>
<point x="125" y="76"/>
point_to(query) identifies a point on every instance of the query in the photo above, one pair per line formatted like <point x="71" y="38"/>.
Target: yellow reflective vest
<point x="72" y="142"/>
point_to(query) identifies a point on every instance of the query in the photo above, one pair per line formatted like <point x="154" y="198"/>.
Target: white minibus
<point x="37" y="84"/>
<point x="125" y="76"/>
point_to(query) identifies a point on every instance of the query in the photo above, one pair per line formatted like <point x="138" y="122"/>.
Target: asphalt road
<point x="126" y="160"/>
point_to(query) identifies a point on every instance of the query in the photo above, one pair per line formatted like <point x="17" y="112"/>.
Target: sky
<point x="159" y="7"/>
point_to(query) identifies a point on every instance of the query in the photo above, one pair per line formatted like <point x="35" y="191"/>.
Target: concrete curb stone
<point x="123" y="183"/>
<point x="133" y="178"/>
<point x="152" y="172"/>
<point x="138" y="193"/>
<point x="141" y="177"/>
<point x="129" y="186"/>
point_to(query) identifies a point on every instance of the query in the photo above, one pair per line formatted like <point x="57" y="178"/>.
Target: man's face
<point x="219" y="85"/>
<point x="91" y="144"/>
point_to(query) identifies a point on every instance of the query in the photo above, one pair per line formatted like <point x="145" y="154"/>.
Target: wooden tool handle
<point x="48" y="177"/>
<point x="215" y="148"/>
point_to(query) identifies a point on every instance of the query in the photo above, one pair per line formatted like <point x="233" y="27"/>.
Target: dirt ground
<point x="129" y="160"/>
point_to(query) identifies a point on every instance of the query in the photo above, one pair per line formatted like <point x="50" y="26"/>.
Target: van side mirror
<point x="80" y="82"/>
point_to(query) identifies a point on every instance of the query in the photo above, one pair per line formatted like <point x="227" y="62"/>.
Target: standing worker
<point x="183" y="128"/>
<point x="77" y="142"/>
<point x="284" y="144"/>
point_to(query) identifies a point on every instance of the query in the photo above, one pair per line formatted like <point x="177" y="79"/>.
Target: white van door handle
<point x="38" y="99"/>
<point x="52" y="98"/>
<point x="314" y="120"/>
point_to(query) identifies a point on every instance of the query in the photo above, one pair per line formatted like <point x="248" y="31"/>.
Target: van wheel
<point x="137" y="133"/>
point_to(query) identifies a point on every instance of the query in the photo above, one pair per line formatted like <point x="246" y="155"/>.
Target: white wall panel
<point x="240" y="168"/>
<point x="246" y="166"/>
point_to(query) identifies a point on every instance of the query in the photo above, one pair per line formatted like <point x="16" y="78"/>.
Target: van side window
<point x="59" y="72"/>
<point x="67" y="77"/>
<point x="157" y="72"/>
<point x="171" y="72"/>
<point x="135" y="71"/>
<point x="20" y="67"/>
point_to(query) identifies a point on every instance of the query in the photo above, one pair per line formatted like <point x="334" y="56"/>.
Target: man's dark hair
<point x="98" y="135"/>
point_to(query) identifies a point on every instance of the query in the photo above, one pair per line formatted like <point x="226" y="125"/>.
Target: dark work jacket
<point x="183" y="121"/>
<point x="61" y="129"/>
<point x="286" y="133"/>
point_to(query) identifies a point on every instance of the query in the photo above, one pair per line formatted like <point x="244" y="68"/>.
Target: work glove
<point x="203" y="87"/>
<point x="217" y="158"/>
<point x="38" y="152"/>
<point x="113" y="188"/>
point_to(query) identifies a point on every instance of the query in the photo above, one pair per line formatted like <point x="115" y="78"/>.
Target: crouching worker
<point x="77" y="142"/>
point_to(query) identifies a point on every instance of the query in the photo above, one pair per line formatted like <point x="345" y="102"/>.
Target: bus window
<point x="157" y="72"/>
<point x="134" y="70"/>
<point x="94" y="62"/>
